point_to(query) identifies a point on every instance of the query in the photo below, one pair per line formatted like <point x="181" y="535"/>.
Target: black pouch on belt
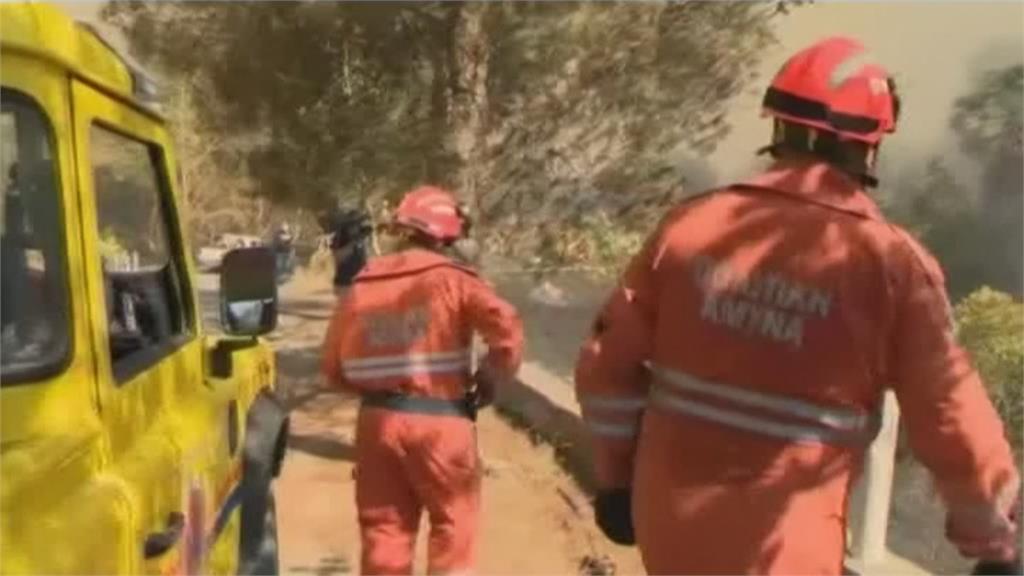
<point x="471" y="401"/>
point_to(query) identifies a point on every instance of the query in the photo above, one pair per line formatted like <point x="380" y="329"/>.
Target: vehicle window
<point x="33" y="287"/>
<point x="141" y="275"/>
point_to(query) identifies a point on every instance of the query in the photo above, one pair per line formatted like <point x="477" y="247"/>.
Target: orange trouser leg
<point x="443" y="465"/>
<point x="389" y="509"/>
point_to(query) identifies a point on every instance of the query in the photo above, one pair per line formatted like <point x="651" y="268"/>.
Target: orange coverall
<point x="406" y="327"/>
<point x="732" y="380"/>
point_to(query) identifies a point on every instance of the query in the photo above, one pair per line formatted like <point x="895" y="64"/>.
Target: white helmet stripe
<point x="848" y="67"/>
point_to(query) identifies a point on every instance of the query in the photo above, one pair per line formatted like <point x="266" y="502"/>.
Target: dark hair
<point x="896" y="102"/>
<point x="467" y="223"/>
<point x="345" y="226"/>
<point x="421" y="239"/>
<point x="852" y="156"/>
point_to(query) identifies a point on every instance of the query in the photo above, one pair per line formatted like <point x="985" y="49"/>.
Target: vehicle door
<point x="169" y="433"/>
<point x="56" y="511"/>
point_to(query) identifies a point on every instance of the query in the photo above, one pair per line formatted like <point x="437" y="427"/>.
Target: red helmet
<point x="833" y="86"/>
<point x="432" y="211"/>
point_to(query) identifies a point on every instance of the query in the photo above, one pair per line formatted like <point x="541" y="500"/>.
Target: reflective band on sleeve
<point x="832" y="417"/>
<point x="631" y="403"/>
<point x="612" y="430"/>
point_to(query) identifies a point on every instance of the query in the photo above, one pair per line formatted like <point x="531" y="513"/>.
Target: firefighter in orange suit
<point x="400" y="338"/>
<point x="732" y="381"/>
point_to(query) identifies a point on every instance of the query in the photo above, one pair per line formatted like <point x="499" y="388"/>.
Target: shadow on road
<point x="317" y="428"/>
<point x="322" y="446"/>
<point x="328" y="566"/>
<point x="310" y="309"/>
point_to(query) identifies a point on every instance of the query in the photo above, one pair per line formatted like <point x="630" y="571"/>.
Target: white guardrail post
<point x="869" y="505"/>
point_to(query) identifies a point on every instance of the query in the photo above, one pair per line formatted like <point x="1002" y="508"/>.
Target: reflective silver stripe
<point x="406" y="359"/>
<point x="795" y="432"/>
<point x="612" y="430"/>
<point x="410" y="369"/>
<point x="631" y="403"/>
<point x="832" y="417"/>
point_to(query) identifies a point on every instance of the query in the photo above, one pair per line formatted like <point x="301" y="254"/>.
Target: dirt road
<point x="534" y="519"/>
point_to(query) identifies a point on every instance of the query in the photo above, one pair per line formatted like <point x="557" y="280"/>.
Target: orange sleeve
<point x="611" y="380"/>
<point x="497" y="322"/>
<point x="330" y="355"/>
<point x="952" y="426"/>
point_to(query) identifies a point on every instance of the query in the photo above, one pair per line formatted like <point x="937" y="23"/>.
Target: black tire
<point x="264" y="445"/>
<point x="259" y="548"/>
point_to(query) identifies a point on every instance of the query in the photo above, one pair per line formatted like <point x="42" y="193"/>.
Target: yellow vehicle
<point x="131" y="439"/>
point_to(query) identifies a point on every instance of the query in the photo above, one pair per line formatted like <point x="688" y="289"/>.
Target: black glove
<point x="613" y="510"/>
<point x="485" y="385"/>
<point x="1014" y="567"/>
<point x="990" y="568"/>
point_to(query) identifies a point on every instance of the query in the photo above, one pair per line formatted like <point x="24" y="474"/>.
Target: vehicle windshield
<point x="33" y="295"/>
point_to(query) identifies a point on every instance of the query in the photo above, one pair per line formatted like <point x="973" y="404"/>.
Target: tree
<point x="989" y="119"/>
<point x="526" y="108"/>
<point x="936" y="208"/>
<point x="990" y="125"/>
<point x="594" y="125"/>
<point x="329" y="95"/>
<point x="990" y="325"/>
<point x="979" y="242"/>
<point x="217" y="199"/>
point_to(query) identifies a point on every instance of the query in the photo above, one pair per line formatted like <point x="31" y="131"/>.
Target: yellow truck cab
<point x="132" y="440"/>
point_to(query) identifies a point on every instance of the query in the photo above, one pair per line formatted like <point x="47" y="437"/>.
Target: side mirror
<point x="248" y="291"/>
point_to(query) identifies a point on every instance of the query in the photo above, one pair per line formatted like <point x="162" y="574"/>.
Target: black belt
<point x="419" y="404"/>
